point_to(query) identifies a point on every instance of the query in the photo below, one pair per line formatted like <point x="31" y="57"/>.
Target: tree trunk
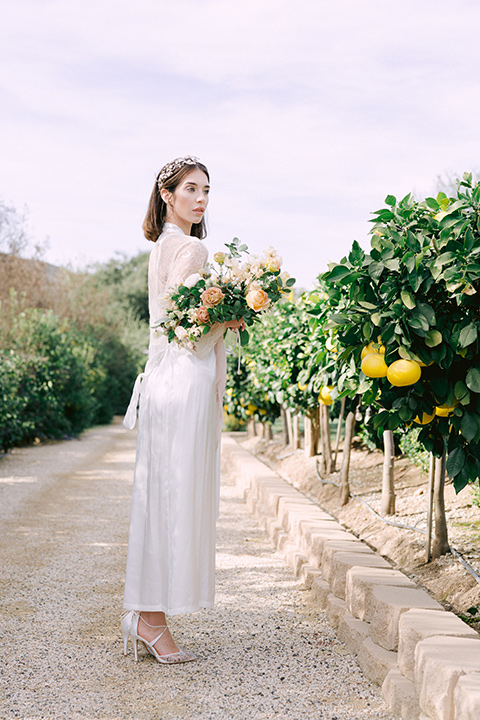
<point x="431" y="488"/>
<point x="285" y="436"/>
<point x="325" y="437"/>
<point x="296" y="434"/>
<point x="267" y="431"/>
<point x="347" y="449"/>
<point x="311" y="432"/>
<point x="387" y="506"/>
<point x="339" y="432"/>
<point x="288" y="415"/>
<point x="440" y="540"/>
<point x="251" y="428"/>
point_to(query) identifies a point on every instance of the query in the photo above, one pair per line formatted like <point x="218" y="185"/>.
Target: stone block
<point x="273" y="529"/>
<point x="336" y="609"/>
<point x="466" y="697"/>
<point x="439" y="664"/>
<point x="313" y="544"/>
<point x="271" y="494"/>
<point x="334" y="545"/>
<point x="295" y="559"/>
<point x="375" y="661"/>
<point x="308" y="573"/>
<point x="417" y="625"/>
<point x="400" y="696"/>
<point x="251" y="500"/>
<point x="287" y="507"/>
<point x="281" y="537"/>
<point x="320" y="592"/>
<point x="389" y="604"/>
<point x="359" y="585"/>
<point x="305" y="514"/>
<point x="342" y="562"/>
<point x="352" y="632"/>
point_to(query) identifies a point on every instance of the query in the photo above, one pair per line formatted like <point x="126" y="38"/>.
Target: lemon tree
<point x="417" y="293"/>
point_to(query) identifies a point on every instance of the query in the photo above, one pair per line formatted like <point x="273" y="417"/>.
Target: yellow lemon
<point x="302" y="387"/>
<point x="404" y="372"/>
<point x="426" y="418"/>
<point x="445" y="410"/>
<point x="251" y="409"/>
<point x="324" y="395"/>
<point x="372" y="348"/>
<point x="374" y="365"/>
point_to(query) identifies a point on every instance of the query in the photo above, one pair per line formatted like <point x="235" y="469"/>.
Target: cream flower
<point x="192" y="280"/>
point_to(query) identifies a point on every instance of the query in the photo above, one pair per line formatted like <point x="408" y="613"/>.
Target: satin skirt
<point x="171" y="548"/>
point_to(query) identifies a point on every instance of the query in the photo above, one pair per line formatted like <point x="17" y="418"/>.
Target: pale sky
<point x="306" y="113"/>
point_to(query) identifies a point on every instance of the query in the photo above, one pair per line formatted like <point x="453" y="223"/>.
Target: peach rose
<point x="257" y="300"/>
<point x="203" y="315"/>
<point x="212" y="296"/>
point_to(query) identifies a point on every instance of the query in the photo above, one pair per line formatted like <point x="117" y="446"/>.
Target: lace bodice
<point x="175" y="257"/>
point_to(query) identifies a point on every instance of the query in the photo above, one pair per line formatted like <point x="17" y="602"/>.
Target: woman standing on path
<point x="171" y="549"/>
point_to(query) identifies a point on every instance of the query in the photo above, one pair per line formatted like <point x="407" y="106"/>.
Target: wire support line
<point x="402" y="526"/>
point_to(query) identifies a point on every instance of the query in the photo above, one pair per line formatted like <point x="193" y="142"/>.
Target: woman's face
<point x="187" y="205"/>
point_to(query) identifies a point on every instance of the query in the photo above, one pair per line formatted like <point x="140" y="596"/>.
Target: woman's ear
<point x="166" y="196"/>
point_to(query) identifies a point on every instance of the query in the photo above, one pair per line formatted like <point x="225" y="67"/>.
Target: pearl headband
<point x="171" y="168"/>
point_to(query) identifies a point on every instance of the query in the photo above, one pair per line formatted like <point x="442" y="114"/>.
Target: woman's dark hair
<point x="157" y="208"/>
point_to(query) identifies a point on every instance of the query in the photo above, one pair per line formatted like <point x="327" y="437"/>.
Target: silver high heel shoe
<point x="130" y="629"/>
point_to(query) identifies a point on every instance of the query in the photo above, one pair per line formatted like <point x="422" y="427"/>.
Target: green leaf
<point x="462" y="393"/>
<point x="473" y="379"/>
<point x="339" y="272"/>
<point x="407" y="299"/>
<point x="469" y="426"/>
<point x="290" y="282"/>
<point x="433" y="338"/>
<point x="367" y="305"/>
<point x="375" y="270"/>
<point x="390" y="200"/>
<point x="468" y="335"/>
<point x="455" y="461"/>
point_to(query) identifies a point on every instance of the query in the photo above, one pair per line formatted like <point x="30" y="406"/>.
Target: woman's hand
<point x="235" y="324"/>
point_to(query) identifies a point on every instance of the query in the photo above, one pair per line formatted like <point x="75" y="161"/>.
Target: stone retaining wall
<point x="426" y="659"/>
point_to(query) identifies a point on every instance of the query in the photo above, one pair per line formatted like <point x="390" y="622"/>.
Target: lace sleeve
<point x="192" y="258"/>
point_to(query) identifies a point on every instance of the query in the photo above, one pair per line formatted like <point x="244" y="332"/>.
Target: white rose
<point x="192" y="280"/>
<point x="180" y="332"/>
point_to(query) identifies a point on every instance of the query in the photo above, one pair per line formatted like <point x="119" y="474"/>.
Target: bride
<point x="171" y="549"/>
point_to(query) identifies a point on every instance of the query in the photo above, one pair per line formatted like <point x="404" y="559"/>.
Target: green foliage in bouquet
<point x="230" y="290"/>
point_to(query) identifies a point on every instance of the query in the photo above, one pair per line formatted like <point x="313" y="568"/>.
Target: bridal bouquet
<point x="229" y="290"/>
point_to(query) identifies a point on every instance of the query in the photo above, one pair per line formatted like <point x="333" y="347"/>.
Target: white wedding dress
<point x="171" y="549"/>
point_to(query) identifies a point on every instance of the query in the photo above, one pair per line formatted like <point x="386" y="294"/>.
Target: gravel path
<point x="266" y="651"/>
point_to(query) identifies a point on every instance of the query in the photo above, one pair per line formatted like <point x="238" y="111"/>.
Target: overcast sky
<point x="306" y="113"/>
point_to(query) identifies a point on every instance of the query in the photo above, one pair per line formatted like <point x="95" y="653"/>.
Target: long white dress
<point x="171" y="549"/>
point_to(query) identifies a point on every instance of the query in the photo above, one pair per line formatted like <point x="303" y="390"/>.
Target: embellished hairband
<point x="171" y="168"/>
